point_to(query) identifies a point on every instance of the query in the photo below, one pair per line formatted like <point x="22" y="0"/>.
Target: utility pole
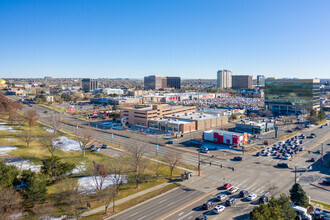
<point x="199" y="163"/>
<point x="322" y="153"/>
<point x="157" y="150"/>
<point x="295" y="174"/>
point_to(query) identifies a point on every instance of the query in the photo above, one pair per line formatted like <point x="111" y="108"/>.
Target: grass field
<point x="37" y="152"/>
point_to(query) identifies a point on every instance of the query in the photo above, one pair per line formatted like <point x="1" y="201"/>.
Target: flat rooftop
<point x="194" y="116"/>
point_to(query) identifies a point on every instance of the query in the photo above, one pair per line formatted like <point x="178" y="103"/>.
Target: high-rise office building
<point x="292" y="96"/>
<point x="88" y="85"/>
<point x="173" y="82"/>
<point x="153" y="82"/>
<point x="158" y="82"/>
<point x="242" y="81"/>
<point x="260" y="80"/>
<point x="224" y="79"/>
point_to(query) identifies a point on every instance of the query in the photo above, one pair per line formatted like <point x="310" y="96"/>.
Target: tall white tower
<point x="224" y="79"/>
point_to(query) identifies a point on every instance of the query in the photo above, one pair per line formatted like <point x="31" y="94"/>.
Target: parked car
<point x="301" y="149"/>
<point x="233" y="190"/>
<point x="263" y="199"/>
<point x="221" y="197"/>
<point x="201" y="217"/>
<point x="203" y="150"/>
<point x="207" y="205"/>
<point x="238" y="158"/>
<point x="283" y="165"/>
<point x="251" y="197"/>
<point x="258" y="154"/>
<point x="170" y="142"/>
<point x="104" y="146"/>
<point x="313" y="159"/>
<point x="96" y="149"/>
<point x="243" y="193"/>
<point x="227" y="186"/>
<point x="218" y="208"/>
<point x="230" y="202"/>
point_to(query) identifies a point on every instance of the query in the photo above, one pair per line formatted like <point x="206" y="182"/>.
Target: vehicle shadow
<point x="242" y="217"/>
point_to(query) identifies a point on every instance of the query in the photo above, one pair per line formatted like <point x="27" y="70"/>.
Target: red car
<point x="227" y="186"/>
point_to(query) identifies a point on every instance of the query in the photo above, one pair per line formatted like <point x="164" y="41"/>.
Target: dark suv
<point x="263" y="199"/>
<point x="243" y="193"/>
<point x="238" y="158"/>
<point x="207" y="205"/>
<point x="284" y="165"/>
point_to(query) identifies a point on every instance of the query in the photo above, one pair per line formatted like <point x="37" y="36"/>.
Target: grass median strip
<point x="125" y="205"/>
<point x="320" y="204"/>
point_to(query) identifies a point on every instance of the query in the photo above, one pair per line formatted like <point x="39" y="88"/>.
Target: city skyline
<point x="190" y="39"/>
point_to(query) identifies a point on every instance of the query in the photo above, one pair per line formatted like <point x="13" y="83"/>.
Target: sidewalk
<point x="135" y="195"/>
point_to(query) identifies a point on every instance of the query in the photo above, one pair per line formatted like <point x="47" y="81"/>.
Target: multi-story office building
<point x="153" y="82"/>
<point x="88" y="85"/>
<point x="224" y="79"/>
<point x="260" y="80"/>
<point x="292" y="96"/>
<point x="158" y="82"/>
<point x="173" y="82"/>
<point x="242" y="82"/>
<point x="141" y="114"/>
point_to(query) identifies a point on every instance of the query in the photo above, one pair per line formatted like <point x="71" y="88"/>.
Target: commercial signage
<point x="208" y="96"/>
<point x="94" y="112"/>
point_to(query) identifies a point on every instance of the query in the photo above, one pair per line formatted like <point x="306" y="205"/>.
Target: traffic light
<point x="309" y="151"/>
<point x="210" y="163"/>
<point x="220" y="165"/>
<point x="233" y="168"/>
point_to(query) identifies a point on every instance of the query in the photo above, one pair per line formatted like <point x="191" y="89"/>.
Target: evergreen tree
<point x="33" y="188"/>
<point x="8" y="174"/>
<point x="276" y="209"/>
<point x="298" y="195"/>
<point x="321" y="115"/>
<point x="54" y="169"/>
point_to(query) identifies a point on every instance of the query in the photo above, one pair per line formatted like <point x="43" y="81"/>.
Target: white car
<point x="286" y="157"/>
<point x="233" y="190"/>
<point x="218" y="208"/>
<point x="221" y="197"/>
<point x="251" y="197"/>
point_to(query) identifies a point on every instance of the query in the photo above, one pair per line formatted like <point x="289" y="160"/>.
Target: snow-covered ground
<point x="79" y="168"/>
<point x="4" y="150"/>
<point x="4" y="127"/>
<point x="88" y="184"/>
<point x="49" y="130"/>
<point x="65" y="144"/>
<point x="23" y="164"/>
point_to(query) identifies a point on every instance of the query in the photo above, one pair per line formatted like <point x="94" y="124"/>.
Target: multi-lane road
<point x="258" y="175"/>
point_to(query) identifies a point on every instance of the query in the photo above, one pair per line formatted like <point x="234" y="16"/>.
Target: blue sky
<point x="188" y="38"/>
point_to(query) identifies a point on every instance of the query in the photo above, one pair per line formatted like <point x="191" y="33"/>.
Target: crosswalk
<point x="255" y="187"/>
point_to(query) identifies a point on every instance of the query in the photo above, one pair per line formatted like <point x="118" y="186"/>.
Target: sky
<point x="187" y="38"/>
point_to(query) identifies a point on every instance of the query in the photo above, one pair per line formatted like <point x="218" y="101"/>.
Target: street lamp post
<point x="199" y="163"/>
<point x="157" y="150"/>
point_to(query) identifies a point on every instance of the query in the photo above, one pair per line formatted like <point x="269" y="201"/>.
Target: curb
<point x="186" y="205"/>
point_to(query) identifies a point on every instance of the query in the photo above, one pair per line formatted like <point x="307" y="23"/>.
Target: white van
<point x="302" y="212"/>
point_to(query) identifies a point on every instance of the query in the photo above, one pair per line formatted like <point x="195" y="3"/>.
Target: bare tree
<point x="99" y="173"/>
<point x="173" y="159"/>
<point x="106" y="196"/>
<point x="138" y="164"/>
<point x="12" y="109"/>
<point x="27" y="136"/>
<point x="10" y="202"/>
<point x="44" y="211"/>
<point x="117" y="168"/>
<point x="157" y="171"/>
<point x="47" y="141"/>
<point x="74" y="198"/>
<point x="31" y="117"/>
<point x="84" y="138"/>
<point x="55" y="123"/>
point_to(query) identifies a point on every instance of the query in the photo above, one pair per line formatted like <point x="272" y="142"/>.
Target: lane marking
<point x="186" y="215"/>
<point x="181" y="213"/>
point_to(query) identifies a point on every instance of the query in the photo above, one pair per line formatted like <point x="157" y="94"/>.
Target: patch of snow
<point x="79" y="168"/>
<point x="88" y="184"/>
<point x="49" y="130"/>
<point x="3" y="127"/>
<point x="66" y="145"/>
<point x="53" y="218"/>
<point x="16" y="216"/>
<point x="23" y="164"/>
<point x="4" y="150"/>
